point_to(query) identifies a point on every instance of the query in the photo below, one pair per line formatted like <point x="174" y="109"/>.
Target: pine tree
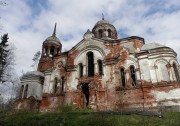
<point x="3" y="54"/>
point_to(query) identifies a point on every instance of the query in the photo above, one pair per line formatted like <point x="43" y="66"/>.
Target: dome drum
<point x="103" y="29"/>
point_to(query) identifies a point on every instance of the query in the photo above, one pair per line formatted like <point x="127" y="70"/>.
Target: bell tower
<point x="51" y="48"/>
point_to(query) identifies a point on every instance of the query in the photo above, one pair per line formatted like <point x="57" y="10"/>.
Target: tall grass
<point x="67" y="116"/>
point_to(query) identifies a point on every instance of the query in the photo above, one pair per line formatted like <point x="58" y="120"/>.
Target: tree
<point x="3" y="55"/>
<point x="8" y="78"/>
<point x="36" y="60"/>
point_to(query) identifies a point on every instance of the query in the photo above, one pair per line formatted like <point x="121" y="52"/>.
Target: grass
<point x="68" y="117"/>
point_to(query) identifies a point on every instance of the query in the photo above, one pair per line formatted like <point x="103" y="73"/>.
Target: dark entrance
<point x="85" y="90"/>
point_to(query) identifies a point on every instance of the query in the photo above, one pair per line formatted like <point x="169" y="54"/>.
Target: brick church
<point x="104" y="73"/>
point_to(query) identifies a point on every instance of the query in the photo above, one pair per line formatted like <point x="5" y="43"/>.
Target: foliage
<point x="36" y="59"/>
<point x="3" y="55"/>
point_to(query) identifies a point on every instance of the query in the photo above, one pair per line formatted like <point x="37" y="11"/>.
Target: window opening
<point x="90" y="64"/>
<point x="52" y="50"/>
<point x="100" y="33"/>
<point x="100" y="67"/>
<point x="62" y="84"/>
<point x="123" y="77"/>
<point x="109" y="33"/>
<point x="176" y="72"/>
<point x="55" y="85"/>
<point x="133" y="75"/>
<point x="25" y="92"/>
<point x="80" y="70"/>
<point x="21" y="92"/>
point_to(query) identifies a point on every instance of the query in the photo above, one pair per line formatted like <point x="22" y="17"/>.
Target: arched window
<point x="62" y="84"/>
<point x="21" y="92"/>
<point x="80" y="70"/>
<point x="133" y="75"/>
<point x="52" y="50"/>
<point x="123" y="77"/>
<point x="100" y="67"/>
<point x="100" y="33"/>
<point x="176" y="72"/>
<point x="90" y="58"/>
<point x="25" y="92"/>
<point x="55" y="85"/>
<point x="109" y="33"/>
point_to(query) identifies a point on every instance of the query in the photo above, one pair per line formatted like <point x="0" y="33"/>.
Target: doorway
<point x="85" y="91"/>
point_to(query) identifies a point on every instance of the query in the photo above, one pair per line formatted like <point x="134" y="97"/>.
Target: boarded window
<point x="26" y="91"/>
<point x="123" y="77"/>
<point x="21" y="92"/>
<point x="176" y="72"/>
<point x="162" y="73"/>
<point x="80" y="70"/>
<point x="100" y="67"/>
<point x="90" y="58"/>
<point x="109" y="33"/>
<point x="133" y="75"/>
<point x="100" y="33"/>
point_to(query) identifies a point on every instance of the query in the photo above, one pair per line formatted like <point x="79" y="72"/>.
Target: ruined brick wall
<point x="134" y="75"/>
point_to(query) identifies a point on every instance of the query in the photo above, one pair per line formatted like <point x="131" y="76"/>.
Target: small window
<point x="80" y="70"/>
<point x="21" y="92"/>
<point x="100" y="33"/>
<point x="46" y="51"/>
<point x="62" y="84"/>
<point x="123" y="77"/>
<point x="109" y="33"/>
<point x="100" y="67"/>
<point x="55" y="85"/>
<point x="26" y="91"/>
<point x="133" y="75"/>
<point x="176" y="72"/>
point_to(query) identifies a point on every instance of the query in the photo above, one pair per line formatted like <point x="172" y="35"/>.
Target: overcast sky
<point x="30" y="22"/>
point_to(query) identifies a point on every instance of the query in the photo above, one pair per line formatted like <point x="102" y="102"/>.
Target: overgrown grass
<point x="66" y="116"/>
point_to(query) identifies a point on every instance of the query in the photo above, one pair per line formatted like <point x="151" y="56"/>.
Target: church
<point x="104" y="73"/>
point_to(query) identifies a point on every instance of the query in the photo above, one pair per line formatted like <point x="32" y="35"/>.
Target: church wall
<point x="35" y="90"/>
<point x="144" y="68"/>
<point x="46" y="83"/>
